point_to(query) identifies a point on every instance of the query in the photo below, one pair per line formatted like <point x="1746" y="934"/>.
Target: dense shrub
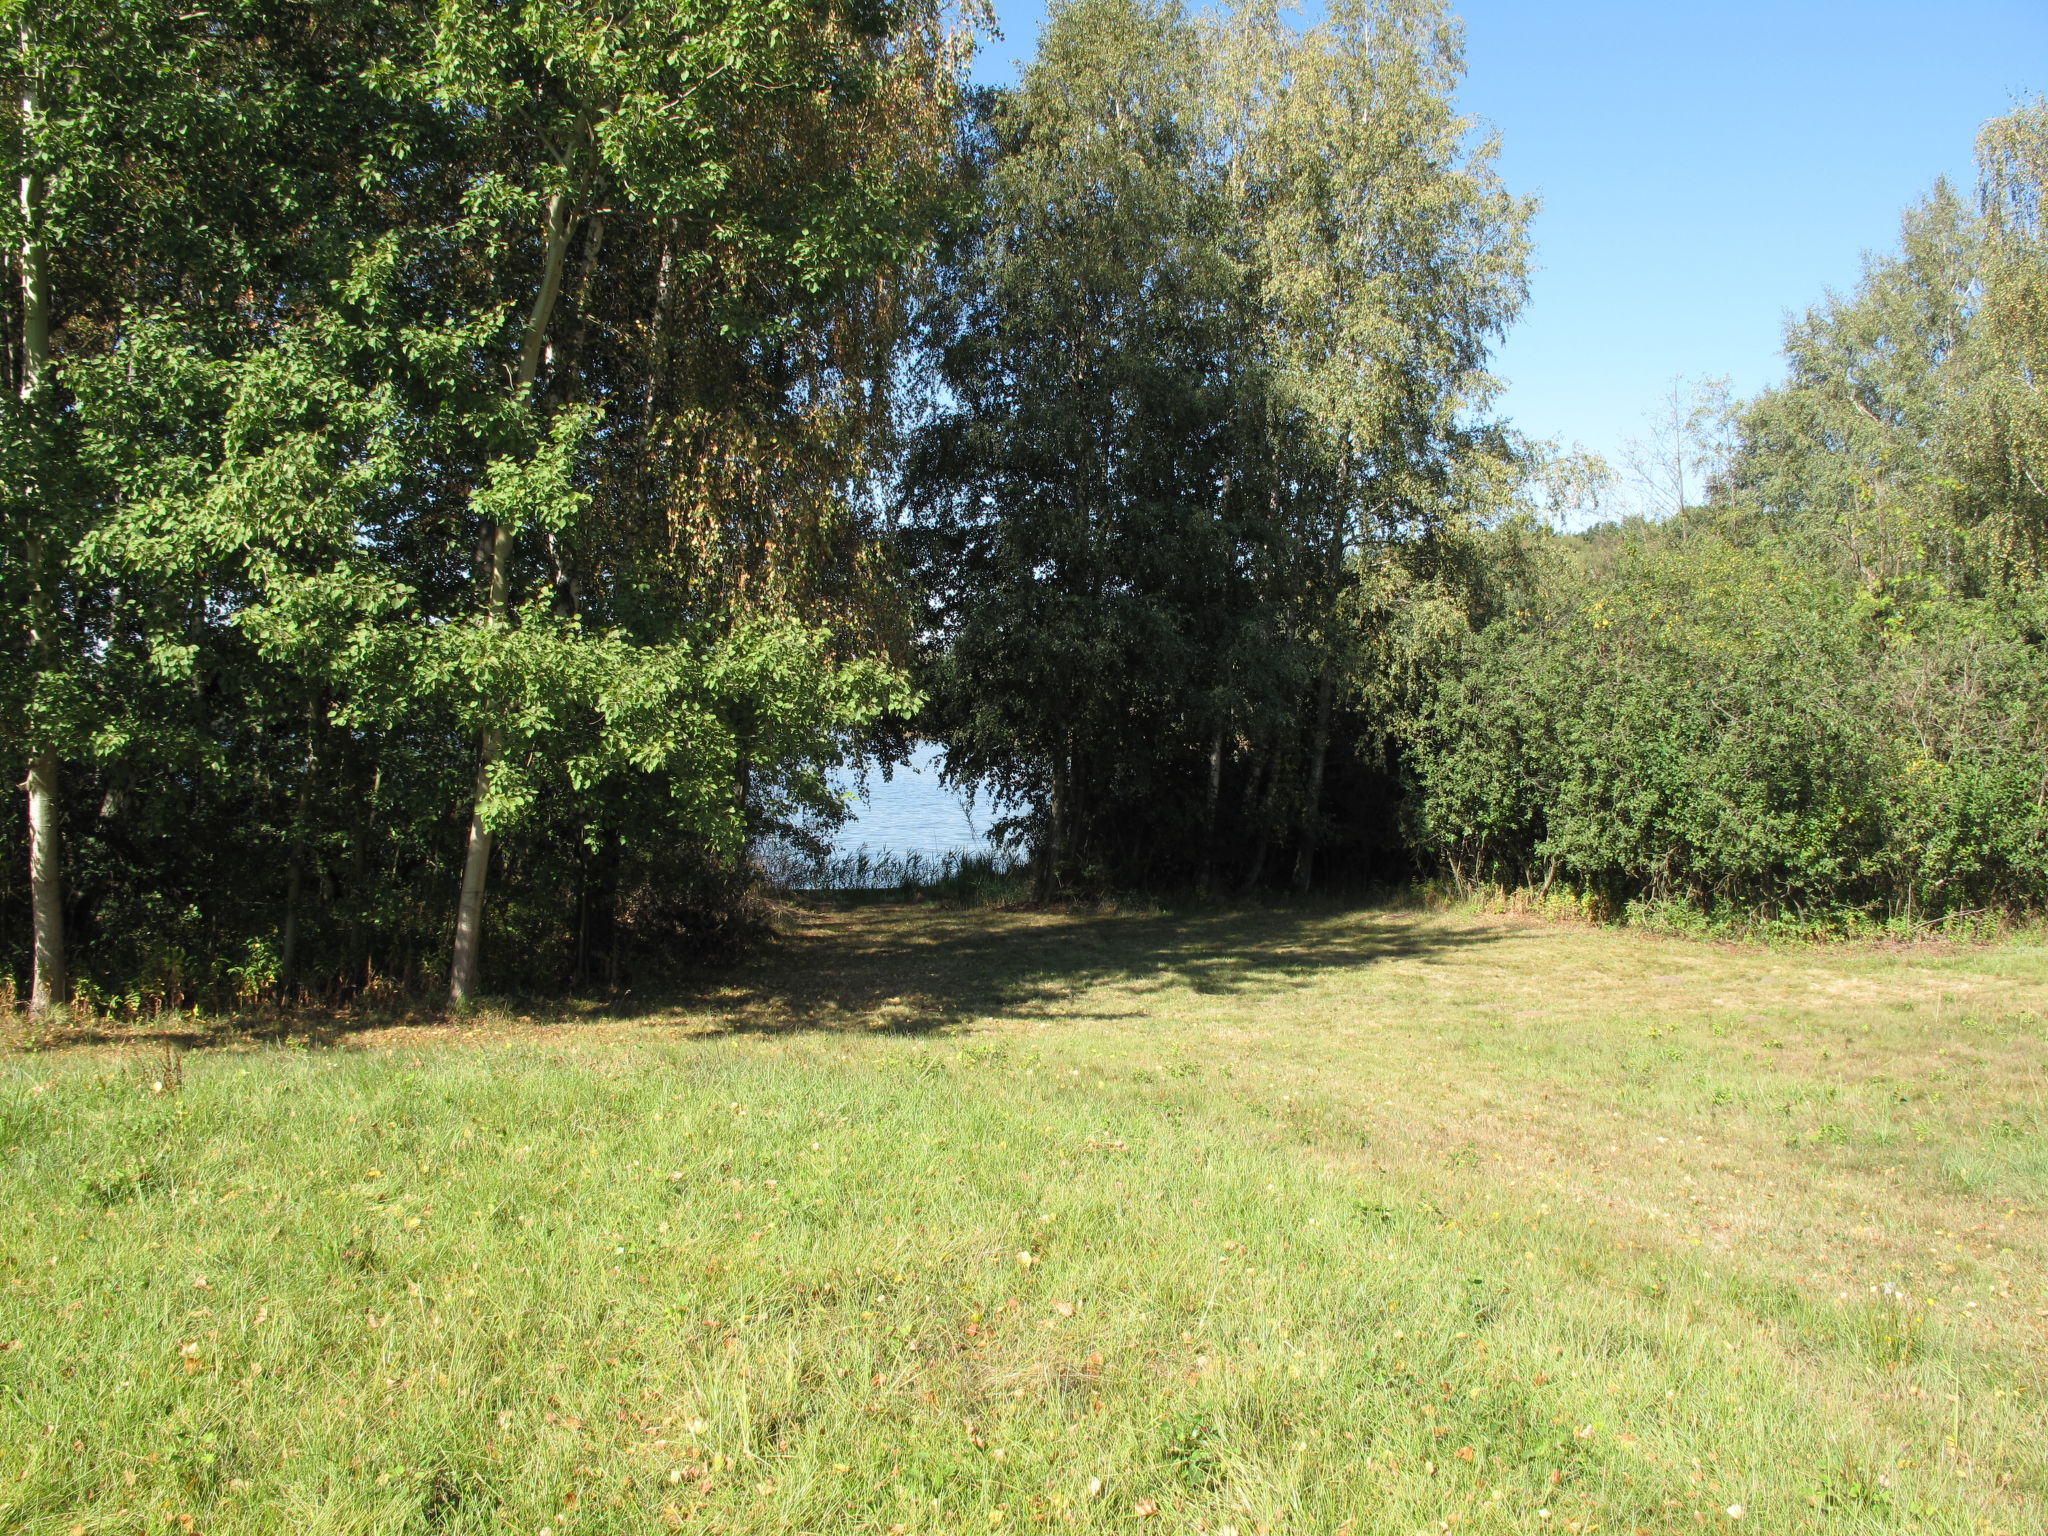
<point x="1676" y="714"/>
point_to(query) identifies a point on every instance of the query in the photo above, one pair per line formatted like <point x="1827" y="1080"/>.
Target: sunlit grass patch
<point x="1146" y="1222"/>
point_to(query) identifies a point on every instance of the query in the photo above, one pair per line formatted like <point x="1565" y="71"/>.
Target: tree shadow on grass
<point x="904" y="968"/>
<point x="911" y="969"/>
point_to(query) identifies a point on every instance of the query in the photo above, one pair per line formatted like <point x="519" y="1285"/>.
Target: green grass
<point x="1302" y="1221"/>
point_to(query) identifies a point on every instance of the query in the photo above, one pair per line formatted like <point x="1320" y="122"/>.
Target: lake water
<point x="913" y="813"/>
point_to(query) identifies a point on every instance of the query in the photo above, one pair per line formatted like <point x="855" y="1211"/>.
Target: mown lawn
<point x="1308" y="1221"/>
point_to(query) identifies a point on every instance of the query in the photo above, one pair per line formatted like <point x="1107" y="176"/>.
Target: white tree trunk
<point x="49" y="987"/>
<point x="46" y="891"/>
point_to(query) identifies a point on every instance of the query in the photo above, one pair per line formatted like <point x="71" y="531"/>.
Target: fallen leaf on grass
<point x="1144" y="1508"/>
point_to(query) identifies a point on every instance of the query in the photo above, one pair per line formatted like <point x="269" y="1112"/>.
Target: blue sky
<point x="1705" y="170"/>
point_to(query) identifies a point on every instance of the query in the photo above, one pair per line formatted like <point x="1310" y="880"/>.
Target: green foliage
<point x="300" y="583"/>
<point x="1679" y="716"/>
<point x="1823" y="697"/>
<point x="530" y="446"/>
<point x="1203" y="444"/>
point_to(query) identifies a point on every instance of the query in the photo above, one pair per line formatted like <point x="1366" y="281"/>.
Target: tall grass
<point x="955" y="875"/>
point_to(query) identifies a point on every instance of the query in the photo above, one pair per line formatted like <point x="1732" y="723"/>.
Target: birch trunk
<point x="48" y="987"/>
<point x="359" y="958"/>
<point x="564" y="366"/>
<point x="1053" y="854"/>
<point x="469" y="908"/>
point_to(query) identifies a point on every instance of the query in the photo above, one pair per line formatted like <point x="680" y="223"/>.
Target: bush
<point x="1673" y="716"/>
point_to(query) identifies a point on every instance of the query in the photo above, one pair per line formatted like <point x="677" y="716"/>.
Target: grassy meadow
<point x="1305" y="1220"/>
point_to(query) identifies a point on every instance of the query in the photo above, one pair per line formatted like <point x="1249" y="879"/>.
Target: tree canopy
<point x="1208" y="383"/>
<point x="483" y="450"/>
<point x="475" y="470"/>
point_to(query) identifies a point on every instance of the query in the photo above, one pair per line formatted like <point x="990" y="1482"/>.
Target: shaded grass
<point x="1149" y="1221"/>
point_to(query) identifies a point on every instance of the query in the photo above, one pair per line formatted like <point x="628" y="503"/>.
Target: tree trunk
<point x="1075" y="836"/>
<point x="48" y="989"/>
<point x="1215" y="789"/>
<point x="1056" y="837"/>
<point x="469" y="910"/>
<point x="463" y="969"/>
<point x="582" y="915"/>
<point x="295" y="881"/>
<point x="1264" y="814"/>
<point x="1312" y="807"/>
<point x="359" y="961"/>
<point x="657" y="323"/>
<point x="48" y="986"/>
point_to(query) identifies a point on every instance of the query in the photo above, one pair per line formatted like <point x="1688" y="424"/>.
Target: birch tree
<point x="1215" y="366"/>
<point x="649" y="113"/>
<point x="1066" y="496"/>
<point x="148" y="151"/>
<point x="48" y="988"/>
<point x="2006" y="428"/>
<point x="1386" y="260"/>
<point x="543" y="494"/>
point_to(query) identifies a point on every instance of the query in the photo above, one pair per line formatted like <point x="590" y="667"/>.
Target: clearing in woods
<point x="1304" y="1220"/>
